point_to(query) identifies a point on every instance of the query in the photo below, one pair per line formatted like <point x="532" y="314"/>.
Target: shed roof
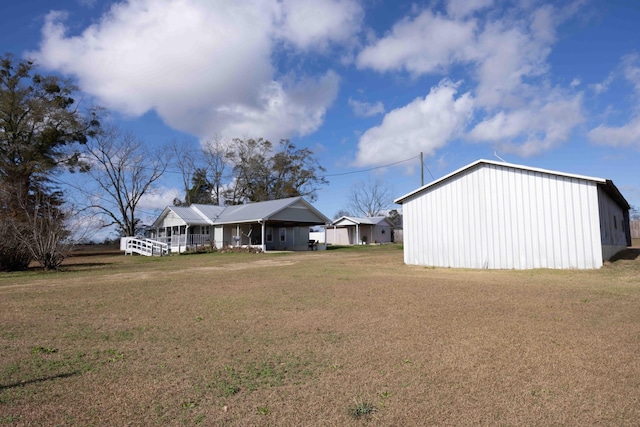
<point x="606" y="184"/>
<point x="348" y="220"/>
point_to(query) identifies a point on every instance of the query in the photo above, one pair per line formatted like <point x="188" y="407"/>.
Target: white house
<point x="271" y="225"/>
<point x="355" y="231"/>
<point x="498" y="215"/>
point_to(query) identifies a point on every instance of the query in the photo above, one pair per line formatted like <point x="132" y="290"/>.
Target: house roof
<point x="251" y="212"/>
<point x="189" y="215"/>
<point x="349" y="220"/>
<point x="606" y="184"/>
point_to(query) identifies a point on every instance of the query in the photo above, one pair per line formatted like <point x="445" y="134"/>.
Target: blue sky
<point x="366" y="85"/>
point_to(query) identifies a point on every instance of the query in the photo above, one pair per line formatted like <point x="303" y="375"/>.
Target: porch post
<point x="264" y="229"/>
<point x="325" y="236"/>
<point x="239" y="241"/>
<point x="186" y="237"/>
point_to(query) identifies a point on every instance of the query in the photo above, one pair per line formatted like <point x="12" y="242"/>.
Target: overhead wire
<point x="96" y="196"/>
<point x="370" y="169"/>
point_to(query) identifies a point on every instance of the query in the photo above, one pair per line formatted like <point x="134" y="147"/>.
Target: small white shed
<point x="499" y="215"/>
<point x="349" y="230"/>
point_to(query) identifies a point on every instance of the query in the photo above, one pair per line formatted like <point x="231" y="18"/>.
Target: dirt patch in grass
<point x="340" y="337"/>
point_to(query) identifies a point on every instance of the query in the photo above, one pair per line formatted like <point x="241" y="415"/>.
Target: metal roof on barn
<point x="605" y="184"/>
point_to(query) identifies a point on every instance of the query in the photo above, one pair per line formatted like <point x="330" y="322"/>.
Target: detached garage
<point x="503" y="216"/>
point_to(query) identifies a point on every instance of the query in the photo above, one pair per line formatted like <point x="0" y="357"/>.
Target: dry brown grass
<point x="311" y="338"/>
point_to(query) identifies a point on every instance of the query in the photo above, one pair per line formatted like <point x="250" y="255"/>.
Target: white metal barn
<point x="503" y="216"/>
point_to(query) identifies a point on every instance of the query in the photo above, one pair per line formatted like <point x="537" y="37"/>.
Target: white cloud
<point x="621" y="136"/>
<point x="203" y="66"/>
<point x="366" y="109"/>
<point x="631" y="70"/>
<point x="281" y="110"/>
<point x="423" y="125"/>
<point x="603" y="86"/>
<point x="463" y="8"/>
<point x="506" y="52"/>
<point x="627" y="134"/>
<point x="426" y="44"/>
<point x="158" y="199"/>
<point x="87" y="3"/>
<point x="533" y="129"/>
<point x="310" y="24"/>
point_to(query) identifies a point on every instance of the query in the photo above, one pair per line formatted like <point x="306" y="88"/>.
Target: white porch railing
<point x="189" y="241"/>
<point x="146" y="247"/>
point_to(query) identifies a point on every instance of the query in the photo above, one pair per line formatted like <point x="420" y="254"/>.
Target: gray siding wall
<point x="612" y="226"/>
<point x="504" y="218"/>
<point x="381" y="234"/>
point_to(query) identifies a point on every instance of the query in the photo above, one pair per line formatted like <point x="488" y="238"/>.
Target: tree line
<point x="246" y="170"/>
<point x="43" y="132"/>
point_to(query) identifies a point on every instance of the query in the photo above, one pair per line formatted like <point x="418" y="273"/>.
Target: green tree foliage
<point x="261" y="174"/>
<point x="394" y="218"/>
<point x="201" y="190"/>
<point x="246" y="170"/>
<point x="40" y="129"/>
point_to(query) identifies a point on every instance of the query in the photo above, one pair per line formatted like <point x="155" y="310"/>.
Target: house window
<point x="269" y="234"/>
<point x="205" y="229"/>
<point x="283" y="234"/>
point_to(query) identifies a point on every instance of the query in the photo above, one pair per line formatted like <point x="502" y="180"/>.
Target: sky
<point x="366" y="85"/>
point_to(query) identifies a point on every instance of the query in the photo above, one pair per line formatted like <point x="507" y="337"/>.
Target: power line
<point x="370" y="169"/>
<point x="95" y="196"/>
<point x="428" y="170"/>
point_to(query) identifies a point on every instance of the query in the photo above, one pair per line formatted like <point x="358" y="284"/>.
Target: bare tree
<point x="125" y="171"/>
<point x="341" y="213"/>
<point x="369" y="198"/>
<point x="45" y="234"/>
<point x="185" y="160"/>
<point x="216" y="155"/>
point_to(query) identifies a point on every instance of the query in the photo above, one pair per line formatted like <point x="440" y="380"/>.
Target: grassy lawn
<point x="349" y="336"/>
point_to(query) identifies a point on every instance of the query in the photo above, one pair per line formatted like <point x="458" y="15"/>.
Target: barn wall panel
<point x="612" y="228"/>
<point x="500" y="217"/>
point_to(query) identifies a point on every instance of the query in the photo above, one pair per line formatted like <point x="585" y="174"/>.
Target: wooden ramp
<point x="146" y="247"/>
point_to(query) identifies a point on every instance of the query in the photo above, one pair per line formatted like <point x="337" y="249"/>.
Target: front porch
<point x="266" y="237"/>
